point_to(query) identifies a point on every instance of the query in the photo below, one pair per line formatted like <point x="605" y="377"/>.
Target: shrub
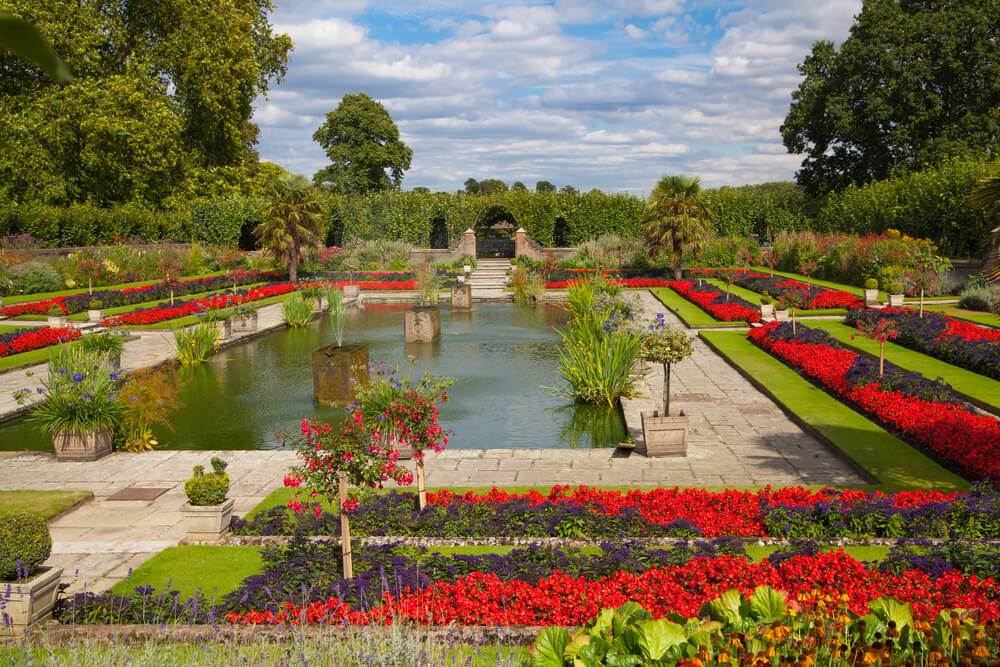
<point x="527" y="285"/>
<point x="979" y="298"/>
<point x="895" y="287"/>
<point x="889" y="275"/>
<point x="34" y="277"/>
<point x="222" y="221"/>
<point x="871" y="283"/>
<point x="195" y="344"/>
<point x="24" y="545"/>
<point x="105" y="343"/>
<point x="210" y="488"/>
<point x="55" y="311"/>
<point x="95" y="304"/>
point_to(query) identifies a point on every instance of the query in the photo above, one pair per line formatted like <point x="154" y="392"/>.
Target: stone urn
<point x="95" y="315"/>
<point x="205" y="523"/>
<point x="56" y="322"/>
<point x="352" y="291"/>
<point x="766" y="311"/>
<point x="871" y="297"/>
<point x="781" y="315"/>
<point x="28" y="602"/>
<point x="245" y="324"/>
<point x="85" y="446"/>
<point x="336" y="371"/>
<point x="461" y="297"/>
<point x="664" y="436"/>
<point x="895" y="300"/>
<point x="422" y="324"/>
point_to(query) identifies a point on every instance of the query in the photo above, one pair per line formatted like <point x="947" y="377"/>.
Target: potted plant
<point x="665" y="433"/>
<point x="27" y="589"/>
<point x="422" y="323"/>
<point x="207" y="513"/>
<point x="95" y="310"/>
<point x="766" y="306"/>
<point x="896" y="294"/>
<point x="107" y="345"/>
<point x="871" y="292"/>
<point x="314" y="292"/>
<point x="244" y="318"/>
<point x="79" y="405"/>
<point x="56" y="317"/>
<point x="223" y="320"/>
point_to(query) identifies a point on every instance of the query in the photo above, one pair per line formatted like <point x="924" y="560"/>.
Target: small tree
<point x="294" y="221"/>
<point x="880" y="330"/>
<point x="332" y="459"/>
<point x="793" y="298"/>
<point x="170" y="269"/>
<point x="89" y="269"/>
<point x="728" y="277"/>
<point x="677" y="217"/>
<point x="807" y="268"/>
<point x="769" y="259"/>
<point x="925" y="274"/>
<point x="666" y="346"/>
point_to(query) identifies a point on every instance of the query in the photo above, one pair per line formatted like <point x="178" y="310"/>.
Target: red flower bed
<point x="969" y="440"/>
<point x="195" y="306"/>
<point x="624" y="282"/>
<point x="968" y="330"/>
<point x="36" y="339"/>
<point x="40" y="307"/>
<point x="484" y="599"/>
<point x="713" y="302"/>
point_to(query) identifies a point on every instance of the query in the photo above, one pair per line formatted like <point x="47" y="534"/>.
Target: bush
<point x="871" y="283"/>
<point x="895" y="287"/>
<point x="979" y="298"/>
<point x="224" y="220"/>
<point x="890" y="276"/>
<point x="24" y="544"/>
<point x="34" y="277"/>
<point x="208" y="489"/>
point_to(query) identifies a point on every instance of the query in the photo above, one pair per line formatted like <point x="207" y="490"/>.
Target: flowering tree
<point x="89" y="269"/>
<point x="238" y="276"/>
<point x="924" y="275"/>
<point x="879" y="330"/>
<point x="170" y="269"/>
<point x="332" y="459"/>
<point x="666" y="346"/>
<point x="793" y="298"/>
<point x="769" y="259"/>
<point x="728" y="277"/>
<point x="807" y="268"/>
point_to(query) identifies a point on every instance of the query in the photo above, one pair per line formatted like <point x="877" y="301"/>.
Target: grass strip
<point x="23" y="298"/>
<point x="43" y="504"/>
<point x="689" y="312"/>
<point x="215" y="570"/>
<point x="24" y="359"/>
<point x="976" y="316"/>
<point x="979" y="388"/>
<point x="892" y="462"/>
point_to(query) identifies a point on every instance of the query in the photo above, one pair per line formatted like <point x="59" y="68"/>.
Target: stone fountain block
<point x="461" y="297"/>
<point x="422" y="324"/>
<point x="334" y="368"/>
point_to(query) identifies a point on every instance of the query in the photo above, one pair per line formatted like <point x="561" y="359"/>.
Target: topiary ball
<point x="25" y="543"/>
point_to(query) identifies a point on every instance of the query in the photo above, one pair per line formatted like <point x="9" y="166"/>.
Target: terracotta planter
<point x="895" y="300"/>
<point x="336" y="371"/>
<point x="871" y="297"/>
<point x="28" y="602"/>
<point x="422" y="324"/>
<point x="351" y="291"/>
<point x="76" y="446"/>
<point x="95" y="315"/>
<point x="766" y="310"/>
<point x="245" y="324"/>
<point x="781" y="315"/>
<point x="207" y="522"/>
<point x="664" y="436"/>
<point x="56" y="322"/>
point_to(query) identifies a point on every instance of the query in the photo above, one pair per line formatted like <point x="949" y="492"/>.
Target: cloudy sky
<point x="591" y="93"/>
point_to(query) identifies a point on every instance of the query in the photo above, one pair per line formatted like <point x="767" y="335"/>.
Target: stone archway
<point x="494" y="228"/>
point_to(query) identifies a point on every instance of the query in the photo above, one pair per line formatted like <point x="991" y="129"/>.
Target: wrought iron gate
<point x="494" y="247"/>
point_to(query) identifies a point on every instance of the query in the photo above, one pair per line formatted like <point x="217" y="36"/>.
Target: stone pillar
<point x="461" y="297"/>
<point x="467" y="246"/>
<point x="422" y="324"/>
<point x="334" y="368"/>
<point x="520" y="242"/>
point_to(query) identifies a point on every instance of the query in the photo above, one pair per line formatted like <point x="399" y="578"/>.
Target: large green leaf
<point x="23" y="39"/>
<point x="549" y="647"/>
<point x="601" y="625"/>
<point x="628" y="614"/>
<point x="767" y="604"/>
<point x="659" y="636"/>
<point x="573" y="648"/>
<point x="891" y="609"/>
<point x="725" y="608"/>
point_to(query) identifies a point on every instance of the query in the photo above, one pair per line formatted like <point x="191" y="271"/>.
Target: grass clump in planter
<point x="298" y="310"/>
<point x="195" y="344"/>
<point x="25" y="544"/>
<point x="208" y="488"/>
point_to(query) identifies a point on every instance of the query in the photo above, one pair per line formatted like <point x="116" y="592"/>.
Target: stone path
<point x="737" y="437"/>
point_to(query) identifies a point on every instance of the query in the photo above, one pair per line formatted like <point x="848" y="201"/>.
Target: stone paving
<point x="737" y="437"/>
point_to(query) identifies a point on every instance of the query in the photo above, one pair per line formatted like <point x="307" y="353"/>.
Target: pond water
<point x="499" y="357"/>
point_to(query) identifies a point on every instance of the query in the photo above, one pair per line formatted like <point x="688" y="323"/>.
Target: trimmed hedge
<point x="25" y="543"/>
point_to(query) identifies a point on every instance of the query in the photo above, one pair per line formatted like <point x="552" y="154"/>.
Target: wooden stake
<point x="421" y="484"/>
<point x="345" y="531"/>
<point x="881" y="358"/>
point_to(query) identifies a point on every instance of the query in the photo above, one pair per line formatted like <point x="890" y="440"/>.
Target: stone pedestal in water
<point x="461" y="297"/>
<point x="422" y="324"/>
<point x="333" y="369"/>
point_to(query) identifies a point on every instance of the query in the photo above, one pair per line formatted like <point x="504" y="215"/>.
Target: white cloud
<point x="635" y="32"/>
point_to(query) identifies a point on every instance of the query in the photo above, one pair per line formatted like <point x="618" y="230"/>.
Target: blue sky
<point x="609" y="94"/>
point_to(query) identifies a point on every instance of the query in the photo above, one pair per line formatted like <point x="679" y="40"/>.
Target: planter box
<point x="351" y="291"/>
<point x="76" y="446"/>
<point x="781" y="315"/>
<point x="664" y="436"/>
<point x="321" y="305"/>
<point x="461" y="297"/>
<point x="871" y="297"/>
<point x="28" y="602"/>
<point x="245" y="324"/>
<point x="422" y="324"/>
<point x="56" y="322"/>
<point x="207" y="522"/>
<point x="225" y="328"/>
<point x="336" y="371"/>
<point x="895" y="300"/>
<point x="95" y="315"/>
<point x="467" y="268"/>
<point x="766" y="310"/>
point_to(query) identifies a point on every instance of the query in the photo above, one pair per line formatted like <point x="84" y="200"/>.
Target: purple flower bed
<point x="939" y="336"/>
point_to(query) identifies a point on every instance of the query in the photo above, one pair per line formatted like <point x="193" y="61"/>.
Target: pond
<point x="499" y="356"/>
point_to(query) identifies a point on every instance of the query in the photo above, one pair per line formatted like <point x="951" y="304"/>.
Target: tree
<point x="294" y="221"/>
<point x="490" y="185"/>
<point x="568" y="190"/>
<point x="676" y="217"/>
<point x="914" y="83"/>
<point x="363" y="145"/>
<point x="544" y="186"/>
<point x="472" y="186"/>
<point x="985" y="197"/>
<point x="518" y="186"/>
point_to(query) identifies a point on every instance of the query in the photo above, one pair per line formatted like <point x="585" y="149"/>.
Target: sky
<point x="610" y="94"/>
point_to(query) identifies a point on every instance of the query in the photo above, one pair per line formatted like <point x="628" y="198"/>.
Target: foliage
<point x="676" y="217"/>
<point x="935" y="109"/>
<point x="25" y="544"/>
<point x="981" y="298"/>
<point x="104" y="343"/>
<point x="34" y="277"/>
<point x="195" y="344"/>
<point x="226" y="220"/>
<point x="297" y="310"/>
<point x="292" y="223"/>
<point x="208" y="489"/>
<point x="527" y="285"/>
<point x="363" y="145"/>
<point x="148" y="397"/>
<point x="428" y="283"/>
<point x="663" y="345"/>
<point x="758" y="210"/>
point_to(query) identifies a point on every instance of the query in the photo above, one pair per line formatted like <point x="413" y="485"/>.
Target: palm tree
<point x="676" y="217"/>
<point x="985" y="197"/>
<point x="294" y="221"/>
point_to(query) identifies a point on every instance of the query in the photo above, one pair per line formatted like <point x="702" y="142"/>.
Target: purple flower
<point x="78" y="377"/>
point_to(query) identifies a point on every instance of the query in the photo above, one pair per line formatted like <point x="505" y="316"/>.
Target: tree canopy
<point x="363" y="145"/>
<point x="915" y="82"/>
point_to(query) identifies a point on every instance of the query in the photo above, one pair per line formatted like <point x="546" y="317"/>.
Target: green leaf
<point x="601" y="625"/>
<point x="628" y="614"/>
<point x="767" y="604"/>
<point x="659" y="636"/>
<point x="574" y="646"/>
<point x="23" y="39"/>
<point x="891" y="609"/>
<point x="725" y="608"/>
<point x="549" y="647"/>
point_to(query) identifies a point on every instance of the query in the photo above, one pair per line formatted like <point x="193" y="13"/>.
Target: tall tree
<point x="518" y="186"/>
<point x="363" y="145"/>
<point x="677" y="217"/>
<point x="916" y="81"/>
<point x="472" y="186"/>
<point x="544" y="186"/>
<point x="294" y="221"/>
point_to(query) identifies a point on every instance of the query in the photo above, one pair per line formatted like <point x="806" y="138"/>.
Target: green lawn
<point x="215" y="570"/>
<point x="893" y="463"/>
<point x="977" y="316"/>
<point x="43" y="504"/>
<point x="689" y="312"/>
<point x="23" y="359"/>
<point x="977" y="387"/>
<point x="22" y="298"/>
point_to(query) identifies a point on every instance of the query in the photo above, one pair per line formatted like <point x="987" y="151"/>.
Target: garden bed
<point x="715" y="302"/>
<point x="815" y="297"/>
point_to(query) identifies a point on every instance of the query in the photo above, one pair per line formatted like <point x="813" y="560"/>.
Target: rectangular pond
<point x="498" y="355"/>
